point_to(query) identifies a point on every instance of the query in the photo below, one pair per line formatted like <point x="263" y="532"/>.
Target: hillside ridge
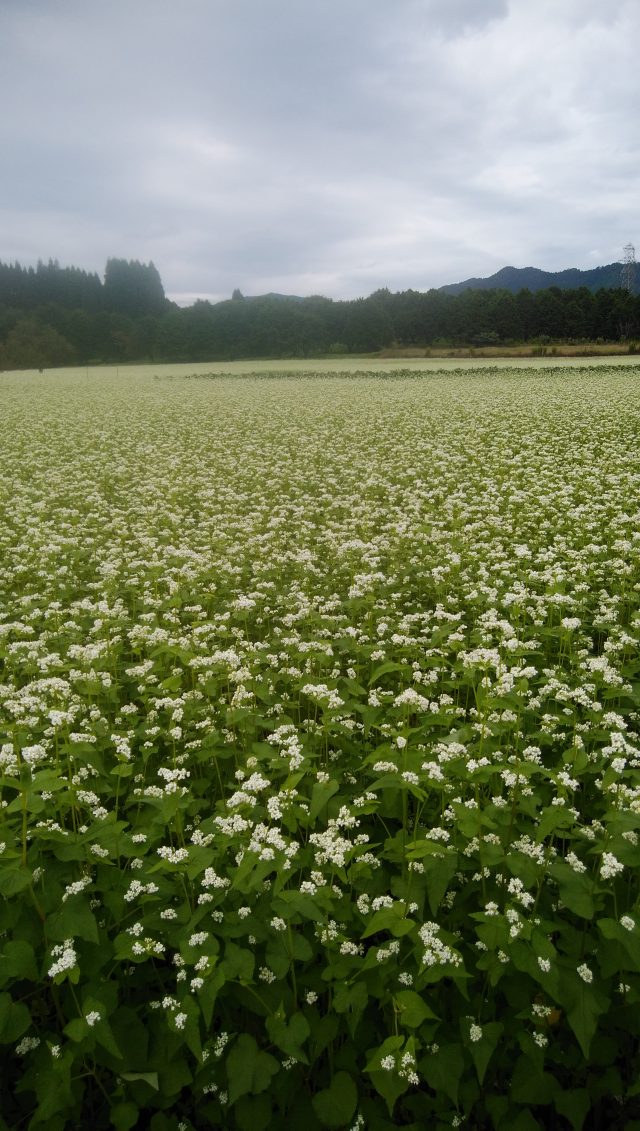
<point x="515" y="279"/>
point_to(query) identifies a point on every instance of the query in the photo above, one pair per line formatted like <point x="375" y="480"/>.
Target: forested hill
<point x="515" y="279"/>
<point x="53" y="316"/>
<point x="129" y="286"/>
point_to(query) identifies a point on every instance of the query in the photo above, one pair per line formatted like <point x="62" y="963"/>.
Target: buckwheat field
<point x="320" y="752"/>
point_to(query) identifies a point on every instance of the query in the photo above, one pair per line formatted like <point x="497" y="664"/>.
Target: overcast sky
<point x="319" y="146"/>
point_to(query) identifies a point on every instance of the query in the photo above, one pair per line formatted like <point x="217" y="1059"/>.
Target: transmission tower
<point x="628" y="274"/>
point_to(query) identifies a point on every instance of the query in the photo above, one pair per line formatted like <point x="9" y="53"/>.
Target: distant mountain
<point x="518" y="278"/>
<point x="272" y="296"/>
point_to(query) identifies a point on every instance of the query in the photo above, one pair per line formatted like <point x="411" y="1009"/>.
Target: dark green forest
<point x="53" y="316"/>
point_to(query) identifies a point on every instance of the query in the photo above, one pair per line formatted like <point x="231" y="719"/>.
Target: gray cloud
<point x="331" y="148"/>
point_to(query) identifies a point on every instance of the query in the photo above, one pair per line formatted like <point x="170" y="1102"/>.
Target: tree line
<point x="52" y="316"/>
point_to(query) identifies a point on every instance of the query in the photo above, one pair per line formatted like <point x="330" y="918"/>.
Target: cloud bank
<point x="326" y="148"/>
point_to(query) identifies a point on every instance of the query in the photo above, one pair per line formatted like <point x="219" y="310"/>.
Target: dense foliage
<point x="320" y="766"/>
<point x="53" y="316"/>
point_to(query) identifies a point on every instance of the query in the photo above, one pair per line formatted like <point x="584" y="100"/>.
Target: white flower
<point x="26" y="1045"/>
<point x="65" y="956"/>
<point x="76" y="888"/>
<point x="350" y="948"/>
<point x="610" y="866"/>
<point x="173" y="855"/>
<point x="575" y="863"/>
<point x="585" y="973"/>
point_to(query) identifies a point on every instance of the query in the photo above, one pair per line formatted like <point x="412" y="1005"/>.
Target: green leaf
<point x="442" y="1070"/>
<point x="301" y="948"/>
<point x="17" y="960"/>
<point x="15" y="1019"/>
<point x="76" y="1029"/>
<point x="576" y="889"/>
<point x="418" y="849"/>
<point x="389" y="1085"/>
<point x="299" y="902"/>
<point x="248" y="1069"/>
<point x="14" y="878"/>
<point x="191" y="1027"/>
<point x="277" y="957"/>
<point x="574" y="1105"/>
<point x="124" y="1116"/>
<point x="131" y="1035"/>
<point x="482" y="1050"/>
<point x="321" y="794"/>
<point x="531" y="1086"/>
<point x="150" y="1078"/>
<point x="439" y="872"/>
<point x="254" y="1113"/>
<point x="75" y="920"/>
<point x="290" y="1036"/>
<point x="175" y="1076"/>
<point x="324" y="1030"/>
<point x="238" y="963"/>
<point x="386" y="1081"/>
<point x="53" y="1088"/>
<point x="335" y="1105"/>
<point x="123" y="770"/>
<point x="209" y="992"/>
<point x="523" y="1121"/>
<point x="630" y="940"/>
<point x="412" y="1009"/>
<point x="587" y="1004"/>
<point x="524" y="956"/>
<point x="352" y="1000"/>
<point x="390" y="1047"/>
<point x="389" y="919"/>
<point x="265" y="1068"/>
<point x="384" y="669"/>
<point x="105" y="1037"/>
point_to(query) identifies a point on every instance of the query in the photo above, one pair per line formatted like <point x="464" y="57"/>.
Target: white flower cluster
<point x="76" y="887"/>
<point x="173" y="855"/>
<point x="610" y="866"/>
<point x="65" y="958"/>
<point x="137" y="889"/>
<point x="437" y="952"/>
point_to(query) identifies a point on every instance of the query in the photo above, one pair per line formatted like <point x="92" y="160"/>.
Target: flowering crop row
<point x="320" y="750"/>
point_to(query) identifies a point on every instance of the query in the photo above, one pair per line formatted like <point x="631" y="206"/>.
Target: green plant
<point x="320" y="766"/>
